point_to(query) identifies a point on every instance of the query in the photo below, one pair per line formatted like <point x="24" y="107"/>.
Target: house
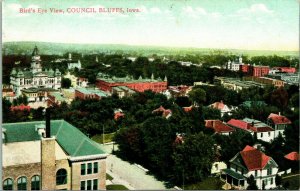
<point x="219" y="127"/>
<point x="222" y="107"/>
<point x="166" y="113"/>
<point x="51" y="155"/>
<point x="72" y="64"/>
<point x="187" y="109"/>
<point x="56" y="98"/>
<point x="118" y="113"/>
<point x="217" y="167"/>
<point x="278" y="123"/>
<point x="8" y="94"/>
<point x="257" y="128"/>
<point x="251" y="161"/>
<point x="37" y="97"/>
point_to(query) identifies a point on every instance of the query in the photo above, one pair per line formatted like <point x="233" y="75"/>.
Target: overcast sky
<point x="238" y="24"/>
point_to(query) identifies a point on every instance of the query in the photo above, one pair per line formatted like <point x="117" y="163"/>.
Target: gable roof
<point x="218" y="105"/>
<point x="279" y="119"/>
<point x="72" y="140"/>
<point x="292" y="156"/>
<point x="239" y="124"/>
<point x="253" y="158"/>
<point x="218" y="126"/>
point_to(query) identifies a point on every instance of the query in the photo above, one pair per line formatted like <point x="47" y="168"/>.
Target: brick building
<point x="66" y="160"/>
<point x="84" y="93"/>
<point x="106" y="83"/>
<point x="259" y="70"/>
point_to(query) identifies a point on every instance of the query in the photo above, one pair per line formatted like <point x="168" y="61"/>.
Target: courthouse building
<point x="51" y="156"/>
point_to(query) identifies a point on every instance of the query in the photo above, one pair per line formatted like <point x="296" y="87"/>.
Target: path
<point x="130" y="175"/>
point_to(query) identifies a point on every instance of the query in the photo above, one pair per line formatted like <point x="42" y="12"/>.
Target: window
<point x="61" y="177"/>
<point x="8" y="184"/>
<point x="269" y="133"/>
<point x="261" y="135"/>
<point x="256" y="173"/>
<point x="271" y="180"/>
<point x="89" y="168"/>
<point x="22" y="183"/>
<point x="89" y="185"/>
<point x="82" y="185"/>
<point x="95" y="167"/>
<point x="35" y="183"/>
<point x="95" y="184"/>
<point x="269" y="171"/>
<point x="82" y="169"/>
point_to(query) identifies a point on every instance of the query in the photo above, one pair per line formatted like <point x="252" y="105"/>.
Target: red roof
<point x="218" y="126"/>
<point x="292" y="156"/>
<point x="165" y="112"/>
<point x="279" y="119"/>
<point x="239" y="124"/>
<point x="262" y="129"/>
<point x="253" y="158"/>
<point x="218" y="105"/>
<point x="118" y="115"/>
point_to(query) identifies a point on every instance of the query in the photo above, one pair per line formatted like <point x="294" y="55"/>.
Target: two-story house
<point x="50" y="156"/>
<point x="251" y="161"/>
<point x="278" y="123"/>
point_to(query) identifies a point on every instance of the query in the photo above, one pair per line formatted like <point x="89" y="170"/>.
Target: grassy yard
<point x="108" y="177"/>
<point x="293" y="181"/>
<point x="211" y="183"/>
<point x="107" y="138"/>
<point x="116" y="187"/>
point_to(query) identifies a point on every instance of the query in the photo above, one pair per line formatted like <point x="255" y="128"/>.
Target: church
<point x="34" y="77"/>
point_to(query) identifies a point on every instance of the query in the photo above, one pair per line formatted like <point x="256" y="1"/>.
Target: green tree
<point x="278" y="180"/>
<point x="198" y="96"/>
<point x="193" y="158"/>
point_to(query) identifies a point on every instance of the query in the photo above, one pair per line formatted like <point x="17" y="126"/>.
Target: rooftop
<point x="100" y="93"/>
<point x="72" y="140"/>
<point x="128" y="79"/>
<point x="279" y="119"/>
<point x="218" y="126"/>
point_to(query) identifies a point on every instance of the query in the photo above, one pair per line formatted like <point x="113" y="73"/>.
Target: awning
<point x="234" y="174"/>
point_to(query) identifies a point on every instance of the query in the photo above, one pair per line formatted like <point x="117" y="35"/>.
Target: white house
<point x="222" y="107"/>
<point x="278" y="122"/>
<point x="251" y="161"/>
<point x="72" y="64"/>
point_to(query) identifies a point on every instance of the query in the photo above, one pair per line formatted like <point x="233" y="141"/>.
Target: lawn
<point x="211" y="183"/>
<point x="293" y="182"/>
<point x="108" y="177"/>
<point x="107" y="138"/>
<point x="116" y="187"/>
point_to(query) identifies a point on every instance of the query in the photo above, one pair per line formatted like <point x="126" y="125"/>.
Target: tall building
<point x="106" y="83"/>
<point x="259" y="70"/>
<point x="50" y="156"/>
<point x="21" y="78"/>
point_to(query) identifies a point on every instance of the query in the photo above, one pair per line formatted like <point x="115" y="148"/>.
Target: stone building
<point x="50" y="156"/>
<point x="21" y="78"/>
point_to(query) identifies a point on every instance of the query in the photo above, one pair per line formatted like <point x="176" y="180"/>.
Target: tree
<point x="251" y="183"/>
<point x="194" y="158"/>
<point x="197" y="95"/>
<point x="278" y="180"/>
<point x="280" y="98"/>
<point x="66" y="83"/>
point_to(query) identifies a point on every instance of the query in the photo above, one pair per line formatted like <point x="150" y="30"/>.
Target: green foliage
<point x="66" y="83"/>
<point x="278" y="180"/>
<point x="198" y="96"/>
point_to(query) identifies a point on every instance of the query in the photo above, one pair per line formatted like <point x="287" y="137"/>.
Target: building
<point x="106" y="83"/>
<point x="34" y="77"/>
<point x="56" y="98"/>
<point x="286" y="69"/>
<point x="72" y="64"/>
<point x="236" y="84"/>
<point x="278" y="123"/>
<point x="289" y="78"/>
<point x="84" y="93"/>
<point x="259" y="70"/>
<point x="8" y="93"/>
<point x="222" y="107"/>
<point x="37" y="97"/>
<point x="75" y="81"/>
<point x="245" y="68"/>
<point x="219" y="127"/>
<point x="266" y="80"/>
<point x="51" y="156"/>
<point x="122" y="91"/>
<point x="257" y="128"/>
<point x="251" y="161"/>
<point x="293" y="156"/>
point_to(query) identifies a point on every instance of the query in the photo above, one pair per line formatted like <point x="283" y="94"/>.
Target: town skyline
<point x="251" y="25"/>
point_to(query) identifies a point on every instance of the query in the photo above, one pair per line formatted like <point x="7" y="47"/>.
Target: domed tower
<point x="36" y="61"/>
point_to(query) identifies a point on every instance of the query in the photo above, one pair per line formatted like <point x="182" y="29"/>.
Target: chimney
<point x="48" y="132"/>
<point x="279" y="113"/>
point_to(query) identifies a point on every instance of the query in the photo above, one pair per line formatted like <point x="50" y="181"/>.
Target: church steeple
<point x="35" y="51"/>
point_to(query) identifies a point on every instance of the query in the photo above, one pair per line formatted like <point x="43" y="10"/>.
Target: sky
<point x="222" y="24"/>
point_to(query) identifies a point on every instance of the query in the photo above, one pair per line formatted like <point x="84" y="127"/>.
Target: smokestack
<point x="48" y="135"/>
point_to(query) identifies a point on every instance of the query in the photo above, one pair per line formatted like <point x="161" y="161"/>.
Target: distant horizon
<point x="212" y="24"/>
<point x="150" y="46"/>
